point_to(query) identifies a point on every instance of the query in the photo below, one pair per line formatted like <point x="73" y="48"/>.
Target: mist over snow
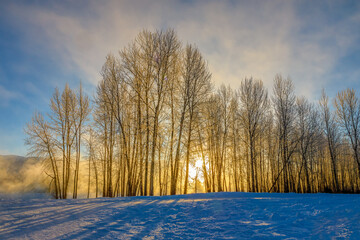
<point x="26" y="177"/>
<point x="20" y="175"/>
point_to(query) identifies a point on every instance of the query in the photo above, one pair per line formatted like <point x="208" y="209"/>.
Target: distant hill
<point x="21" y="174"/>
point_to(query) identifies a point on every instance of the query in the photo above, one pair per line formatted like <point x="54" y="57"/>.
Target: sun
<point x="195" y="169"/>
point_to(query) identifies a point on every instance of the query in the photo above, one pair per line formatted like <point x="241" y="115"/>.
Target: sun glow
<point x="196" y="170"/>
<point x="196" y="175"/>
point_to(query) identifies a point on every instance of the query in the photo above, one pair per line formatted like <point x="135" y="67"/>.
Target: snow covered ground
<point x="195" y="216"/>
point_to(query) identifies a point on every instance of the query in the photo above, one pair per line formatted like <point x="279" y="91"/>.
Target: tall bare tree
<point x="331" y="131"/>
<point x="308" y="134"/>
<point x="80" y="117"/>
<point x="197" y="88"/>
<point x="285" y="113"/>
<point x="253" y="107"/>
<point x="42" y="144"/>
<point x="348" y="111"/>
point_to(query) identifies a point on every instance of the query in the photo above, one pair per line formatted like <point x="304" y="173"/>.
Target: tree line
<point x="156" y="112"/>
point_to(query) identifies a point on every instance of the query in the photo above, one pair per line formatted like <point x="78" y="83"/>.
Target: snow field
<point x="194" y="216"/>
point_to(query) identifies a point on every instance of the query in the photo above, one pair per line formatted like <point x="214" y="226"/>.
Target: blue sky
<point x="44" y="44"/>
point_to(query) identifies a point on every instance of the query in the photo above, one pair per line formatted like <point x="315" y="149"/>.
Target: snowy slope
<point x="196" y="216"/>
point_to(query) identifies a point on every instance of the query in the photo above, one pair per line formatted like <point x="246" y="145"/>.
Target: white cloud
<point x="257" y="38"/>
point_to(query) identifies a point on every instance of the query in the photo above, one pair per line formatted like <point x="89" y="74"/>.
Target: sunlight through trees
<point x="157" y="126"/>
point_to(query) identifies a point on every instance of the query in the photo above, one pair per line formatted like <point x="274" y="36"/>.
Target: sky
<point x="46" y="44"/>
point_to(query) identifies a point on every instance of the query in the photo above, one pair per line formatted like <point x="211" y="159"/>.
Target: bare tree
<point x="308" y="134"/>
<point x="331" y="131"/>
<point x="63" y="108"/>
<point x="348" y="111"/>
<point x="60" y="137"/>
<point x="253" y="107"/>
<point x="43" y="145"/>
<point x="80" y="116"/>
<point x="166" y="50"/>
<point x="196" y="89"/>
<point x="284" y="108"/>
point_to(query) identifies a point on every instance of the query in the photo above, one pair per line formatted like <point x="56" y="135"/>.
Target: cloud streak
<point x="6" y="96"/>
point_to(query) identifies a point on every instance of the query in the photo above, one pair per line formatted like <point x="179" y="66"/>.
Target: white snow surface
<point x="194" y="216"/>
